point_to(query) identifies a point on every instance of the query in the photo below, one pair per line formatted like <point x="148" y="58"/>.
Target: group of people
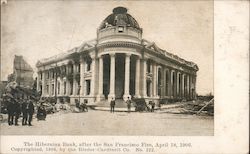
<point x="17" y="107"/>
<point x="129" y="103"/>
<point x="112" y="105"/>
<point x="41" y="112"/>
<point x="81" y="106"/>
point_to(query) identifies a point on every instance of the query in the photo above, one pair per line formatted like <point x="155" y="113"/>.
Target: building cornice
<point x="119" y="44"/>
<point x="173" y="60"/>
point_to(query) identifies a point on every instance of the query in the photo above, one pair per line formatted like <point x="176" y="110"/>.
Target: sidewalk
<point x="124" y="109"/>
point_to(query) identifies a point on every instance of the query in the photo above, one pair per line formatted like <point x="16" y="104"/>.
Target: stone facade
<point x="118" y="64"/>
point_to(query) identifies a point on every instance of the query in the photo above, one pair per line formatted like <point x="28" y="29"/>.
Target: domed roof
<point x="119" y="17"/>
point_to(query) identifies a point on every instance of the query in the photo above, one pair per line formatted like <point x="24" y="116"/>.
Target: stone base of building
<point x="111" y="96"/>
<point x="126" y="97"/>
<point x="100" y="98"/>
<point x="95" y="100"/>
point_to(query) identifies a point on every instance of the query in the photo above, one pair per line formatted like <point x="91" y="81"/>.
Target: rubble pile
<point x="198" y="107"/>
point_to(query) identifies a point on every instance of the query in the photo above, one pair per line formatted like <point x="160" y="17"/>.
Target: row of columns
<point x="175" y="88"/>
<point x="112" y="77"/>
<point x="181" y="85"/>
<point x="177" y="84"/>
<point x="75" y="86"/>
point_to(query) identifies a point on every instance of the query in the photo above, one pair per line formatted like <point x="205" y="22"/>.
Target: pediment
<point x="85" y="46"/>
<point x="154" y="47"/>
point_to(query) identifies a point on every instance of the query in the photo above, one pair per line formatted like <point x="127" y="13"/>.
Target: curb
<point x="116" y="109"/>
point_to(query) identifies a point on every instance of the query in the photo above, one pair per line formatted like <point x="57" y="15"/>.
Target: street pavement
<point x="97" y="122"/>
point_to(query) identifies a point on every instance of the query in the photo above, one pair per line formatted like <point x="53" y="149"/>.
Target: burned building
<point x="119" y="64"/>
<point x="22" y="73"/>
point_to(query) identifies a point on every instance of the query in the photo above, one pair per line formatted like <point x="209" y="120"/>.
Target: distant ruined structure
<point x="22" y="73"/>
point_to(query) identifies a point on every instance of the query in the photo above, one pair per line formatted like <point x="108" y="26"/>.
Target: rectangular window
<point x="41" y="76"/>
<point x="64" y="69"/>
<point x="79" y="88"/>
<point x="58" y="87"/>
<point x="71" y="87"/>
<point x="78" y="68"/>
<point x="148" y="67"/>
<point x="47" y="89"/>
<point x="64" y="90"/>
<point x="148" y="87"/>
<point x="166" y="86"/>
<point x="88" y="65"/>
<point x="120" y="29"/>
<point x="48" y="75"/>
<point x="53" y="88"/>
<point x="71" y="69"/>
<point x="87" y="87"/>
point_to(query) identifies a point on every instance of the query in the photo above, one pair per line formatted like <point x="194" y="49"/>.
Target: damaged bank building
<point x="118" y="64"/>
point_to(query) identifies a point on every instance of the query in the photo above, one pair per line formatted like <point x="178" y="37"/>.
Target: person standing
<point x="41" y="112"/>
<point x="30" y="112"/>
<point x="25" y="112"/>
<point x="128" y="101"/>
<point x="152" y="106"/>
<point x="10" y="110"/>
<point x="112" y="105"/>
<point x="17" y="110"/>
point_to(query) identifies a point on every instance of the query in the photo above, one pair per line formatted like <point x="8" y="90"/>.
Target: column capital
<point x="112" y="54"/>
<point x="100" y="56"/>
<point x="128" y="54"/>
<point x="92" y="55"/>
<point x="144" y="59"/>
<point x="138" y="57"/>
<point x="81" y="59"/>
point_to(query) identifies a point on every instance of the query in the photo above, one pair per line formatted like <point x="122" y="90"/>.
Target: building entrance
<point x="119" y="75"/>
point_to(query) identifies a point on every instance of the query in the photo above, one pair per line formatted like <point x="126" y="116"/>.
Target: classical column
<point x="74" y="80"/>
<point x="137" y="78"/>
<point x="43" y="83"/>
<point x="82" y="76"/>
<point x="175" y="84"/>
<point x="67" y="81"/>
<point x="37" y="81"/>
<point x="188" y="87"/>
<point x="163" y="81"/>
<point x="61" y="87"/>
<point x="144" y="78"/>
<point x="172" y="84"/>
<point x="194" y="82"/>
<point x="92" y="83"/>
<point x="169" y="83"/>
<point x="112" y="77"/>
<point x="55" y="81"/>
<point x="50" y="85"/>
<point x="127" y="77"/>
<point x="183" y="86"/>
<point x="100" y="87"/>
<point x="178" y="84"/>
<point x="154" y="83"/>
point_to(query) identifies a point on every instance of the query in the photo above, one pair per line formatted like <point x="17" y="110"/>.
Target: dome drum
<point x="119" y="26"/>
<point x="119" y="33"/>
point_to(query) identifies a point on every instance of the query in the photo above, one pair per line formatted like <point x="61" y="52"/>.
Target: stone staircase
<point x="119" y="103"/>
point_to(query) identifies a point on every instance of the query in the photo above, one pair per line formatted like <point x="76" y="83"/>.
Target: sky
<point x="41" y="29"/>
